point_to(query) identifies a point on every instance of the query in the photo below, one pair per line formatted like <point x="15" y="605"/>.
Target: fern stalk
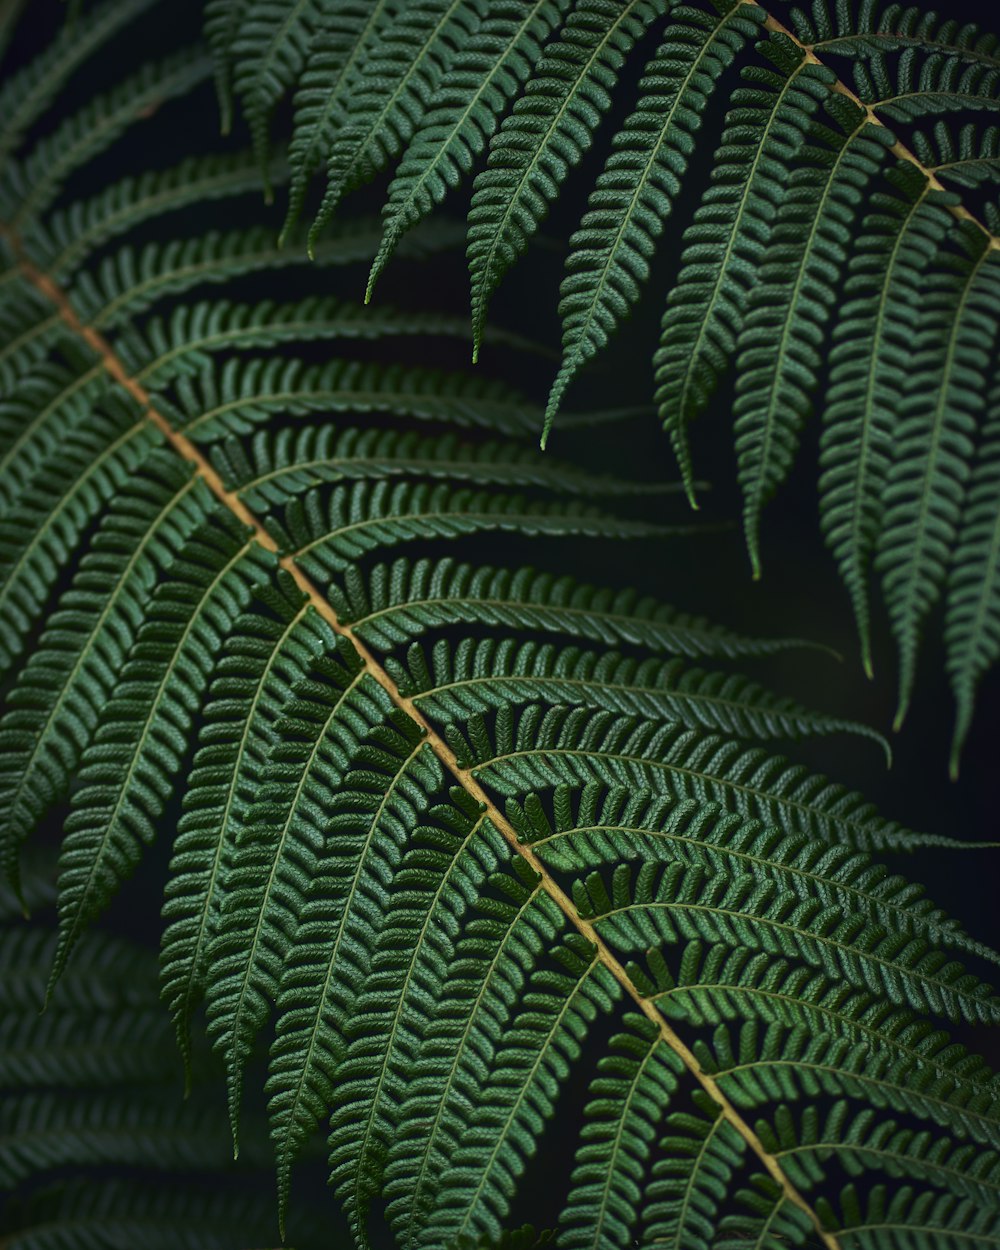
<point x="465" y="777"/>
<point x="898" y="149"/>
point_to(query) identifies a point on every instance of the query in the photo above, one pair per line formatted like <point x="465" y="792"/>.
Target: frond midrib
<point x="898" y="149"/>
<point x="188" y="451"/>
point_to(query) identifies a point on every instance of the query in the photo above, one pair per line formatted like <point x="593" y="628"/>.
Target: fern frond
<point x="389" y="93"/>
<point x="338" y="988"/>
<point x="143" y="1216"/>
<point x="41" y="410"/>
<point x="334" y="60"/>
<point x="72" y="234"/>
<point x="812" y="1065"/>
<point x="88" y="1089"/>
<point x="329" y="535"/>
<point x="39" y="532"/>
<point x="873" y="26"/>
<point x="526" y="1066"/>
<point x="263" y="653"/>
<point x="243" y="394"/>
<point x="535" y="748"/>
<point x="266" y="43"/>
<point x="970" y="160"/>
<point x="261" y="879"/>
<point x="546" y="133"/>
<point x="656" y="906"/>
<point x="28" y="190"/>
<point x="924" y="83"/>
<point x="128" y="283"/>
<point x="637" y="1081"/>
<point x="766" y="128"/>
<point x="450" y="855"/>
<point x="281" y="468"/>
<point x="183" y="343"/>
<point x="788" y="307"/>
<point x="404" y="600"/>
<point x="858" y="1139"/>
<point x="126" y="773"/>
<point x="627" y="211"/>
<point x="716" y="984"/>
<point x="51" y="1134"/>
<point x="55" y="705"/>
<point x="972" y="627"/>
<point x="463" y="114"/>
<point x="689" y="1186"/>
<point x="597" y="824"/>
<point x="28" y="93"/>
<point x="869" y="365"/>
<point x="436" y="84"/>
<point x="477" y="676"/>
<point x="914" y="1220"/>
<point x="451" y="825"/>
<point x="939" y="413"/>
<point x="29" y="330"/>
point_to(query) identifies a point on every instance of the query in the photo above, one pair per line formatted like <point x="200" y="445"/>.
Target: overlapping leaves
<point x="818" y="236"/>
<point x="441" y="828"/>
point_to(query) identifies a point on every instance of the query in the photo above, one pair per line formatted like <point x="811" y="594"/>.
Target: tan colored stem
<point x="898" y="149"/>
<point x="191" y="453"/>
<point x="194" y="455"/>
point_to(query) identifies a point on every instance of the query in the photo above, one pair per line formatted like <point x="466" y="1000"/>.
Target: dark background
<point x="800" y="593"/>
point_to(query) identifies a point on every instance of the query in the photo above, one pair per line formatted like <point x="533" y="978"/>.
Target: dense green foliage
<point x="446" y="835"/>
<point x="91" y="1103"/>
<point x="832" y="269"/>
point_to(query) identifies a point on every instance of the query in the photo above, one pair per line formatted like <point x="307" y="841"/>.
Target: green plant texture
<point x="834" y="206"/>
<point x="447" y="845"/>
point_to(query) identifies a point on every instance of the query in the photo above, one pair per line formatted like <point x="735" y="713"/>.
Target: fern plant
<point x="445" y="834"/>
<point x="92" y="1085"/>
<point x="832" y="261"/>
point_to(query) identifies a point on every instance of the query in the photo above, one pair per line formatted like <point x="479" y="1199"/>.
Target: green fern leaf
<point x="39" y="415"/>
<point x="610" y="253"/>
<point x="376" y="807"/>
<point x="630" y="1096"/>
<point x="140" y="733"/>
<point x="38" y="533"/>
<point x="243" y="394"/>
<point x="596" y="824"/>
<point x="547" y="132"/>
<point x="477" y="676"/>
<point x="535" y="748"/>
<point x="435" y="84"/>
<point x="934" y="440"/>
<point x="705" y="310"/>
<point x="56" y="703"/>
<point x="927" y="81"/>
<point x="263" y="44"/>
<point x="405" y="600"/>
<point x="72" y="234"/>
<point x="792" y="301"/>
<point x="972" y="629"/>
<point x="28" y="190"/>
<point x="868" y="369"/>
<point x="472" y="835"/>
<point x="29" y="93"/>
<point x="389" y="92"/>
<point x="463" y="113"/>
